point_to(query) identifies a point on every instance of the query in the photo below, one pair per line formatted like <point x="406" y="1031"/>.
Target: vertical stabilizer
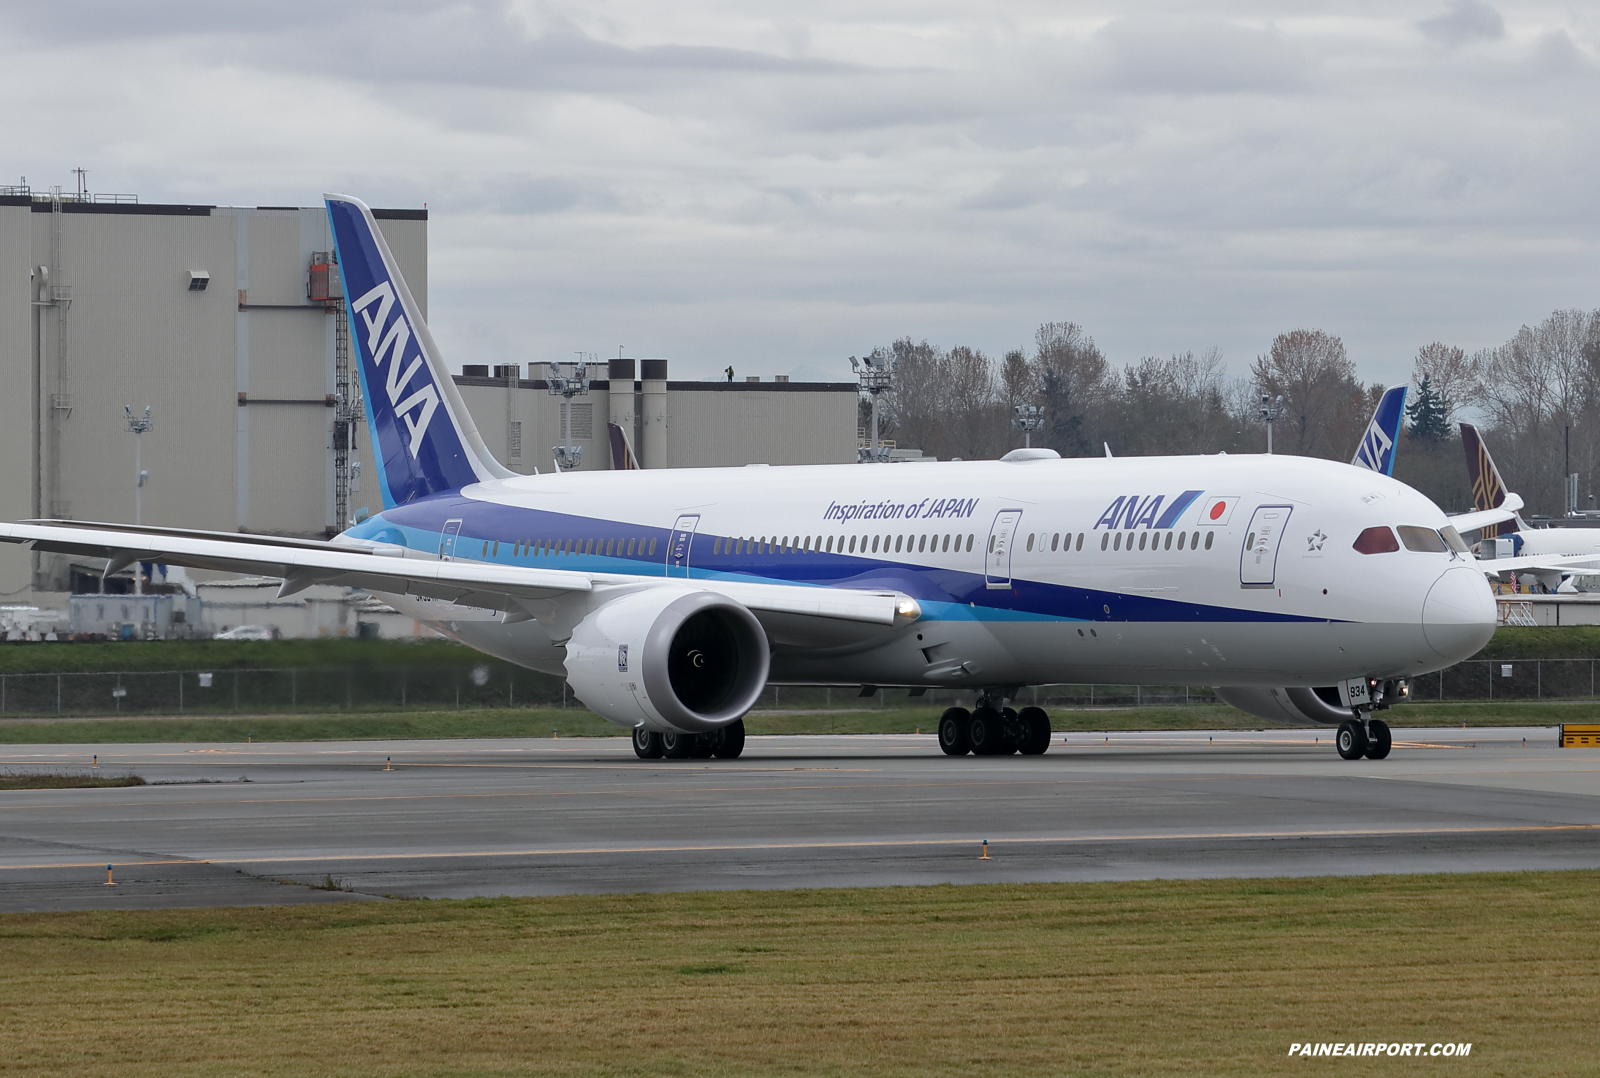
<point x="1376" y="451"/>
<point x="1488" y="489"/>
<point x="622" y="458"/>
<point x="425" y="440"/>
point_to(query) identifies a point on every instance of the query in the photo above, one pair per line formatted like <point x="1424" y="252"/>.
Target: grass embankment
<point x="1208" y="977"/>
<point x="40" y="780"/>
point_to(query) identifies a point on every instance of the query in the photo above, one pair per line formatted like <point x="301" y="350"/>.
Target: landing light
<point x="908" y="608"/>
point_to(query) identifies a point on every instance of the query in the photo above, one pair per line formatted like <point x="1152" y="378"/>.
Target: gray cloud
<point x="1466" y="20"/>
<point x="716" y="182"/>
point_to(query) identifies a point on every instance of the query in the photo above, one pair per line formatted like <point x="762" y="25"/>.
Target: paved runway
<point x="457" y="818"/>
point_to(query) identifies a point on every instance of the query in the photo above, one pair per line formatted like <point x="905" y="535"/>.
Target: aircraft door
<point x="679" y="544"/>
<point x="997" y="560"/>
<point x="1258" y="561"/>
<point x="447" y="540"/>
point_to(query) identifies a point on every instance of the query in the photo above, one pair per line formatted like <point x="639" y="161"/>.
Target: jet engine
<point x="671" y="658"/>
<point x="1296" y="706"/>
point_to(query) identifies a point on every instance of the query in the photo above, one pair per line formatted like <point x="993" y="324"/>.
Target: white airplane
<point x="1511" y="549"/>
<point x="1308" y="590"/>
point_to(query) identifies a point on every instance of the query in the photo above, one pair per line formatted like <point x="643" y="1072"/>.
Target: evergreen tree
<point x="1429" y="413"/>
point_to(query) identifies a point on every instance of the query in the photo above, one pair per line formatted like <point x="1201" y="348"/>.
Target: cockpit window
<point x="1422" y="540"/>
<point x="1453" y="539"/>
<point x="1379" y="540"/>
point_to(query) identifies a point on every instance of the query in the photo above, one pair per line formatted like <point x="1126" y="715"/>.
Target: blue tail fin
<point x="1378" y="443"/>
<point x="420" y="427"/>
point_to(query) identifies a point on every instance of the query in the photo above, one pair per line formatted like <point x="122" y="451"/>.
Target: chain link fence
<point x="493" y="685"/>
<point x="288" y="689"/>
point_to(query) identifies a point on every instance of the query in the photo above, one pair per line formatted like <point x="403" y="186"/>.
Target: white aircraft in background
<point x="1511" y="549"/>
<point x="1308" y="590"/>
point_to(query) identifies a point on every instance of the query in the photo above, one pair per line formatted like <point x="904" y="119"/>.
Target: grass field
<point x="44" y="780"/>
<point x="576" y="722"/>
<point x="1150" y="978"/>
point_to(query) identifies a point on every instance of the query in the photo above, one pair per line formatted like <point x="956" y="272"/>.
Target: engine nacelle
<point x="1297" y="706"/>
<point x="673" y="658"/>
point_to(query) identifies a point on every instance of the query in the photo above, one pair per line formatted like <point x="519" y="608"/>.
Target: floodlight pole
<point x="1271" y="412"/>
<point x="137" y="426"/>
<point x="569" y="456"/>
<point x="1028" y="418"/>
<point x="876" y="373"/>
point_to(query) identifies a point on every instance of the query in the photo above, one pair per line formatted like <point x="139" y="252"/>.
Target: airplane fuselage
<point x="1217" y="570"/>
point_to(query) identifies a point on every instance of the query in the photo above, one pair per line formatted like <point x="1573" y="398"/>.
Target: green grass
<point x="43" y="780"/>
<point x="576" y="722"/>
<point x="1149" y="978"/>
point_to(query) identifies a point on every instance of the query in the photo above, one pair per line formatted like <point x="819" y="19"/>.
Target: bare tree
<point x="1310" y="369"/>
<point x="1451" y="373"/>
<point x="1072" y="375"/>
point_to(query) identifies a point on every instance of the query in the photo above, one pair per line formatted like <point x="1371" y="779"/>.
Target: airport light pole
<point x="138" y="426"/>
<point x="1029" y="418"/>
<point x="568" y="456"/>
<point x="1271" y="412"/>
<point x="876" y="373"/>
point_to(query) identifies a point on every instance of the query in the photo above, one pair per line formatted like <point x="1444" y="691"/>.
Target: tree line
<point x="1530" y="397"/>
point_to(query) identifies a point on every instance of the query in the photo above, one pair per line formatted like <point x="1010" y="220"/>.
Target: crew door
<point x="680" y="543"/>
<point x="447" y="540"/>
<point x="1258" y="561"/>
<point x="997" y="560"/>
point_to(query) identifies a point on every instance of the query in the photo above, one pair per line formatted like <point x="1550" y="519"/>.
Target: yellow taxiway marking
<point x="734" y="847"/>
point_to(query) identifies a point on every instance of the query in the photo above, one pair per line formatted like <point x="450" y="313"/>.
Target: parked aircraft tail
<point x="622" y="458"/>
<point x="1376" y="451"/>
<point x="1488" y="489"/>
<point x="424" y="437"/>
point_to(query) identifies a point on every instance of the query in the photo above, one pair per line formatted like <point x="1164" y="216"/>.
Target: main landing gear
<point x="992" y="731"/>
<point x="726" y="743"/>
<point x="1356" y="739"/>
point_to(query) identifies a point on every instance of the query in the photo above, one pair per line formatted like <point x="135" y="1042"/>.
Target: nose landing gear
<point x="1370" y="739"/>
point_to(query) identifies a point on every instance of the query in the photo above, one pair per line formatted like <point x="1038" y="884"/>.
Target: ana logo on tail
<point x="392" y="344"/>
<point x="1376" y="451"/>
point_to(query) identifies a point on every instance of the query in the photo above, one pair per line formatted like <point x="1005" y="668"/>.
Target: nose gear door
<point x="679" y="544"/>
<point x="1258" y="561"/>
<point x="997" y="561"/>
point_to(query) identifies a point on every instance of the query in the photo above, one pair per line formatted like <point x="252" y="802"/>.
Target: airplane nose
<point x="1458" y="616"/>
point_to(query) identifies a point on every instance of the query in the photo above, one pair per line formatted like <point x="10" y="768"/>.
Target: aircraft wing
<point x="1471" y="522"/>
<point x="397" y="570"/>
<point x="1568" y="565"/>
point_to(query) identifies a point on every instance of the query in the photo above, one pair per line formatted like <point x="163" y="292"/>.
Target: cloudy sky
<point x="779" y="185"/>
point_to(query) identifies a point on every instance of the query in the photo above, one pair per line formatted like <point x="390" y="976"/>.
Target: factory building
<point x="228" y="323"/>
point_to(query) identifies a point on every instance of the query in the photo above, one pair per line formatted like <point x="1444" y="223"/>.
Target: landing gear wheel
<point x="677" y="746"/>
<point x="1351" y="739"/>
<point x="1036" y="731"/>
<point x="731" y="743"/>
<point x="1012" y="732"/>
<point x="646" y="743"/>
<point x="1379" y="744"/>
<point x="953" y="731"/>
<point x="701" y="746"/>
<point x="986" y="732"/>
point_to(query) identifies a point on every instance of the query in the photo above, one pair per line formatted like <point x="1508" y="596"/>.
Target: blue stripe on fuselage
<point x="945" y="594"/>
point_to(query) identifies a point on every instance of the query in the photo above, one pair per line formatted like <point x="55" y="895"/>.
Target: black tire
<point x="953" y="732"/>
<point x="1012" y="732"/>
<point x="986" y="732"/>
<point x="1036" y="727"/>
<point x="1381" y="741"/>
<point x="731" y="743"/>
<point x="1351" y="740"/>
<point x="677" y="746"/>
<point x="646" y="743"/>
<point x="701" y="746"/>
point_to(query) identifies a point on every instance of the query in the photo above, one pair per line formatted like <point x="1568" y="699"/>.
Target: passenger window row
<point x="851" y="544"/>
<point x="556" y="548"/>
<point x="1155" y="541"/>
